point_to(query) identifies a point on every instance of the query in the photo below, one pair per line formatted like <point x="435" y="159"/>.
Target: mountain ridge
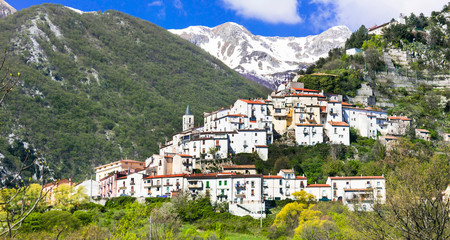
<point x="98" y="87"/>
<point x="259" y="56"/>
<point x="6" y="9"/>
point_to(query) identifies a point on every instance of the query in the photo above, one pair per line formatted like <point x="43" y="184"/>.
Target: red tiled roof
<point x="341" y="124"/>
<point x="300" y="177"/>
<point x="251" y="101"/>
<point x="399" y="118"/>
<point x="166" y="176"/>
<point x="318" y="185"/>
<point x="389" y="137"/>
<point x="124" y="177"/>
<point x="185" y="155"/>
<point x="307" y="95"/>
<point x="422" y="130"/>
<point x="346" y="104"/>
<point x="272" y="176"/>
<point x="236" y="115"/>
<point x="305" y="90"/>
<point x="261" y="146"/>
<point x="357" y="177"/>
<point x="287" y="170"/>
<point x="239" y="167"/>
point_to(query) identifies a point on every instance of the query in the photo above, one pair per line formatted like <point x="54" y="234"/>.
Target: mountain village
<point x="302" y="116"/>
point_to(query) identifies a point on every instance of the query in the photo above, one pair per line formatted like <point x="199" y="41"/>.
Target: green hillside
<point x="97" y="87"/>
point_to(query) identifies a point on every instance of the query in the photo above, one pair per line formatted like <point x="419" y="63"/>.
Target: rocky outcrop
<point x="6" y="9"/>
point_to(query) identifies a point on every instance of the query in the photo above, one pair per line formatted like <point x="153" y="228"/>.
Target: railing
<point x="288" y="185"/>
<point x="195" y="186"/>
<point x="240" y="195"/>
<point x="240" y="185"/>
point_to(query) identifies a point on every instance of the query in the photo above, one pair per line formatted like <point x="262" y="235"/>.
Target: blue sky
<point x="262" y="17"/>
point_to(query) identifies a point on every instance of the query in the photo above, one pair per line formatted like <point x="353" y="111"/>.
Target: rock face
<point x="6" y="9"/>
<point x="268" y="59"/>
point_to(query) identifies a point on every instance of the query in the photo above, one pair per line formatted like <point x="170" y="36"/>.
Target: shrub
<point x="83" y="216"/>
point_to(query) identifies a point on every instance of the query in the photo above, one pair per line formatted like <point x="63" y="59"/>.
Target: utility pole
<point x="150" y="236"/>
<point x="90" y="199"/>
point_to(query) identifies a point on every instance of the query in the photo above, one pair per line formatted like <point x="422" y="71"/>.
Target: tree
<point x="66" y="197"/>
<point x="17" y="198"/>
<point x="414" y="207"/>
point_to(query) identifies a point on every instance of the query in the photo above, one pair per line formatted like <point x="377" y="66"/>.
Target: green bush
<point x="84" y="217"/>
<point x="119" y="202"/>
<point x="59" y="221"/>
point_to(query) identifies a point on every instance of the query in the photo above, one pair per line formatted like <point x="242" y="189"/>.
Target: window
<point x="207" y="184"/>
<point x="253" y="184"/>
<point x="281" y="190"/>
<point x="335" y="130"/>
<point x="334" y="193"/>
<point x="277" y="110"/>
<point x="334" y="185"/>
<point x="225" y="182"/>
<point x="220" y="183"/>
<point x="256" y="134"/>
<point x="281" y="181"/>
<point x="253" y="192"/>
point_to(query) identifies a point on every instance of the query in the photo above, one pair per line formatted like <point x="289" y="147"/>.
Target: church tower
<point x="188" y="120"/>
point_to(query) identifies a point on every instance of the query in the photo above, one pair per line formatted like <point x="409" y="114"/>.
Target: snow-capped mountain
<point x="5" y="9"/>
<point x="268" y="59"/>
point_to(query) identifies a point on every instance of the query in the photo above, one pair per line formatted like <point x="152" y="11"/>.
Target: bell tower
<point x="188" y="120"/>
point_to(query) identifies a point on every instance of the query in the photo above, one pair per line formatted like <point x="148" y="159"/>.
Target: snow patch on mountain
<point x="269" y="59"/>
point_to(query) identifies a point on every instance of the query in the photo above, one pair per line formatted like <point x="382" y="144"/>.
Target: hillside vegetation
<point x="424" y="45"/>
<point x="98" y="87"/>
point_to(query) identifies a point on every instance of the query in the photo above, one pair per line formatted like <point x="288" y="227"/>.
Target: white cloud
<point x="155" y="4"/>
<point x="354" y="13"/>
<point x="270" y="11"/>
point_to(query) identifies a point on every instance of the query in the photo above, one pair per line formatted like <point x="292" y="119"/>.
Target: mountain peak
<point x="263" y="57"/>
<point x="6" y="9"/>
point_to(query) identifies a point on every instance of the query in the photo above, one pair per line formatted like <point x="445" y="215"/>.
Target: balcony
<point x="288" y="193"/>
<point x="187" y="162"/>
<point x="168" y="184"/>
<point x="240" y="195"/>
<point x="288" y="185"/>
<point x="195" y="186"/>
<point x="132" y="183"/>
<point x="240" y="186"/>
<point x="222" y="195"/>
<point x="265" y="184"/>
<point x="123" y="187"/>
<point x="156" y="185"/>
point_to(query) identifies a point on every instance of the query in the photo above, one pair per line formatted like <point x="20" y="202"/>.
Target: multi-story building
<point x="308" y="134"/>
<point x="338" y="132"/>
<point x="398" y="125"/>
<point x="322" y="192"/>
<point x="282" y="185"/>
<point x="422" y="134"/>
<point x="368" y="121"/>
<point x="118" y="166"/>
<point x="355" y="192"/>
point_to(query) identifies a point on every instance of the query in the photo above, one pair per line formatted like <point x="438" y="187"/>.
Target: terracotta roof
<point x="399" y="118"/>
<point x="272" y="176"/>
<point x="357" y="177"/>
<point x="300" y="177"/>
<point x="346" y="104"/>
<point x="422" y="130"/>
<point x="305" y="90"/>
<point x="251" y="101"/>
<point x="389" y="137"/>
<point x="185" y="155"/>
<point x="125" y="160"/>
<point x="261" y="146"/>
<point x="124" y="177"/>
<point x="236" y="115"/>
<point x="239" y="167"/>
<point x="166" y="176"/>
<point x="307" y="95"/>
<point x="318" y="185"/>
<point x="287" y="170"/>
<point x="323" y="109"/>
<point x="357" y="189"/>
<point x="339" y="124"/>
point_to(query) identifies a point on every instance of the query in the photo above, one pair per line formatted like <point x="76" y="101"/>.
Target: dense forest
<point x="99" y="87"/>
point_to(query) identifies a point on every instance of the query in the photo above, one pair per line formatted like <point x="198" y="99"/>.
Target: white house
<point x="338" y="132"/>
<point x="322" y="192"/>
<point x="422" y="134"/>
<point x="359" y="192"/>
<point x="282" y="185"/>
<point x="308" y="134"/>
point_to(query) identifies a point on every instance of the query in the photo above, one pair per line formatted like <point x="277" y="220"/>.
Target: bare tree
<point x="13" y="194"/>
<point x="415" y="207"/>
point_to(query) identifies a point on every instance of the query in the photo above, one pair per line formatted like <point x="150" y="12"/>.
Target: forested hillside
<point x="97" y="87"/>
